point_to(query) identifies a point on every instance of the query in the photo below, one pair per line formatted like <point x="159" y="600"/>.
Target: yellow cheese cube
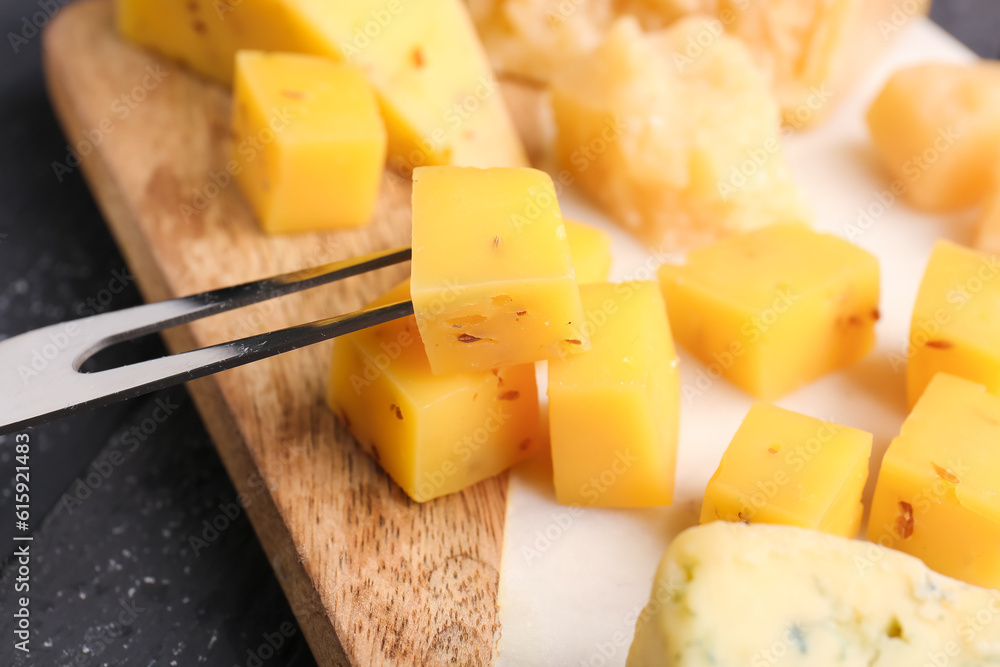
<point x="956" y="321"/>
<point x="773" y="309"/>
<point x="433" y="434"/>
<point x="590" y="249"/>
<point x="935" y="128"/>
<point x="678" y="153"/>
<point x="613" y="411"/>
<point x="308" y="141"/>
<point x="938" y="491"/>
<point x="788" y="468"/>
<point x="492" y="279"/>
<point x="438" y="95"/>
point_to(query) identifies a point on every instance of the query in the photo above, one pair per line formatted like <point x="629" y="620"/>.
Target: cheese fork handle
<point x="40" y="376"/>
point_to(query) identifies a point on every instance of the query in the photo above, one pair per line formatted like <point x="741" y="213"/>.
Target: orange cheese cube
<point x="955" y="326"/>
<point x="775" y="308"/>
<point x="788" y="468"/>
<point x="935" y="128"/>
<point x="938" y="490"/>
<point x="433" y="434"/>
<point x="493" y="282"/>
<point x="309" y="141"/>
<point x="614" y="410"/>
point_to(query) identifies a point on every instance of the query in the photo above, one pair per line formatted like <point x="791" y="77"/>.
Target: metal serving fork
<point x="29" y="395"/>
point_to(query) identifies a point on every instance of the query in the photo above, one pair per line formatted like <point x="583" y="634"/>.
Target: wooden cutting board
<point x="371" y="576"/>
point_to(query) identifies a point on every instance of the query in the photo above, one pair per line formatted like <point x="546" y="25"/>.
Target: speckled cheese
<point x="733" y="595"/>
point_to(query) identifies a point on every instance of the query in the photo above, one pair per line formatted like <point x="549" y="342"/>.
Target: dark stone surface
<point x="116" y="579"/>
<point x="976" y="23"/>
<point x="124" y="548"/>
<point x="125" y="545"/>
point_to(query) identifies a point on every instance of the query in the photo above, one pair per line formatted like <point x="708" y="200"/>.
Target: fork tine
<point x="29" y="394"/>
<point x="90" y="390"/>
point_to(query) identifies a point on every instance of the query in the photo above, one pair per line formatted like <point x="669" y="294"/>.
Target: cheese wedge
<point x="732" y="595"/>
<point x="439" y="98"/>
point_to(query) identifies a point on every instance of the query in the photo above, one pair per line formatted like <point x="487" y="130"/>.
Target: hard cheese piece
<point x="206" y="34"/>
<point x="774" y="309"/>
<point x="438" y="95"/>
<point x="433" y="434"/>
<point x="956" y="321"/>
<point x="309" y="141"/>
<point x="811" y="49"/>
<point x="938" y="490"/>
<point x="590" y="249"/>
<point x="613" y="411"/>
<point x="784" y="467"/>
<point x="935" y="128"/>
<point x="678" y="153"/>
<point x="732" y="595"/>
<point x="492" y="279"/>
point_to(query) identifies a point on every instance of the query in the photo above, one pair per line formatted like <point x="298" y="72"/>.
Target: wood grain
<point x="372" y="577"/>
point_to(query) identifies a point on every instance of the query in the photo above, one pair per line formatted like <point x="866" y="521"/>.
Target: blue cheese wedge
<point x="737" y="595"/>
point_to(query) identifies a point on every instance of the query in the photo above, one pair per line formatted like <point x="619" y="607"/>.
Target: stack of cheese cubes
<point x="447" y="397"/>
